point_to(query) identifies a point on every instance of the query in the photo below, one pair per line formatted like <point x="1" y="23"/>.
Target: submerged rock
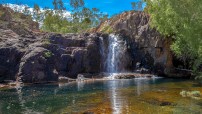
<point x="160" y="103"/>
<point x="191" y="94"/>
<point x="88" y="112"/>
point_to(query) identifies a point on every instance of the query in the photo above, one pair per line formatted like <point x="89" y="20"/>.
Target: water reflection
<point x="118" y="101"/>
<point x="141" y="85"/>
<point x="80" y="85"/>
<point x="22" y="101"/>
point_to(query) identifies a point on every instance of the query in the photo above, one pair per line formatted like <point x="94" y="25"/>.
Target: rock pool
<point x="132" y="96"/>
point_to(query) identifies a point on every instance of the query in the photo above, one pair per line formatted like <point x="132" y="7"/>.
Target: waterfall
<point x="114" y="54"/>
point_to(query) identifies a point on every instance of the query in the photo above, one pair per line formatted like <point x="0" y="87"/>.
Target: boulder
<point x="43" y="57"/>
<point x="35" y="67"/>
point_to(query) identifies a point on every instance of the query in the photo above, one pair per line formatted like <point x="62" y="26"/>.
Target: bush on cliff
<point x="180" y="20"/>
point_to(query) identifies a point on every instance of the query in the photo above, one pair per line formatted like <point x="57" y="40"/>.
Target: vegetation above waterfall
<point x="82" y="18"/>
<point x="54" y="20"/>
<point x="180" y="20"/>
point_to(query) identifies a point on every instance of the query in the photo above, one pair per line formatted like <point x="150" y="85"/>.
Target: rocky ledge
<point x="43" y="57"/>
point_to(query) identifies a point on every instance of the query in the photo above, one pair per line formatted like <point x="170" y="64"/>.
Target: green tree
<point x="56" y="23"/>
<point x="37" y="15"/>
<point x="77" y="4"/>
<point x="83" y="18"/>
<point x="138" y="6"/>
<point x="26" y="11"/>
<point x="54" y="20"/>
<point x="182" y="21"/>
<point x="55" y="4"/>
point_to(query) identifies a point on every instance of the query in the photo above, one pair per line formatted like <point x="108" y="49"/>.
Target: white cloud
<point x="20" y="8"/>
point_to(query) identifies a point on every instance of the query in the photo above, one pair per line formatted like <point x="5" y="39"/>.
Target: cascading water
<point x="114" y="54"/>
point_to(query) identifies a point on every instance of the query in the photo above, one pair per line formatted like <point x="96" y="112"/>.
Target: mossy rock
<point x="191" y="94"/>
<point x="107" y="29"/>
<point x="160" y="102"/>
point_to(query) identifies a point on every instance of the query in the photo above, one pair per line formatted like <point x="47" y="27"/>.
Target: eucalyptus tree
<point x="82" y="18"/>
<point x="37" y="14"/>
<point x="180" y="20"/>
<point x="138" y="5"/>
<point x="26" y="11"/>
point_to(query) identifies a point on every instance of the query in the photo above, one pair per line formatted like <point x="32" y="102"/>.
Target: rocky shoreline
<point x="82" y="78"/>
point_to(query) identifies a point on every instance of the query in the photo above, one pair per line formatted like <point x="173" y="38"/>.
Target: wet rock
<point x="64" y="79"/>
<point x="160" y="103"/>
<point x="143" y="71"/>
<point x="88" y="112"/>
<point x="129" y="75"/>
<point x="165" y="103"/>
<point x="179" y="73"/>
<point x="92" y="59"/>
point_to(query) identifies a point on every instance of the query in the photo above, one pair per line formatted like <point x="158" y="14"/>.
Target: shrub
<point x="47" y="54"/>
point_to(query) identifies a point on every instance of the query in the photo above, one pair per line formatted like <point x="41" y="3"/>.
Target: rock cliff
<point x="42" y="57"/>
<point x="148" y="48"/>
<point x="28" y="55"/>
<point x="31" y="56"/>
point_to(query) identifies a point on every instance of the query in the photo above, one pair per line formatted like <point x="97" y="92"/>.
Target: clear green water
<point x="136" y="96"/>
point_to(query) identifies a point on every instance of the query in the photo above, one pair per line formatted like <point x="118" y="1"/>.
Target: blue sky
<point x="106" y="6"/>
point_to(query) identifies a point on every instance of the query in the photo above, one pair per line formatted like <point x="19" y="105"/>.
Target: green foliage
<point x="83" y="18"/>
<point x="182" y="21"/>
<point x="183" y="52"/>
<point x="76" y="4"/>
<point x="37" y="14"/>
<point x="58" y="5"/>
<point x="55" y="23"/>
<point x="191" y="94"/>
<point x="26" y="11"/>
<point x="107" y="29"/>
<point x="199" y="75"/>
<point x="138" y="6"/>
<point x="47" y="54"/>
